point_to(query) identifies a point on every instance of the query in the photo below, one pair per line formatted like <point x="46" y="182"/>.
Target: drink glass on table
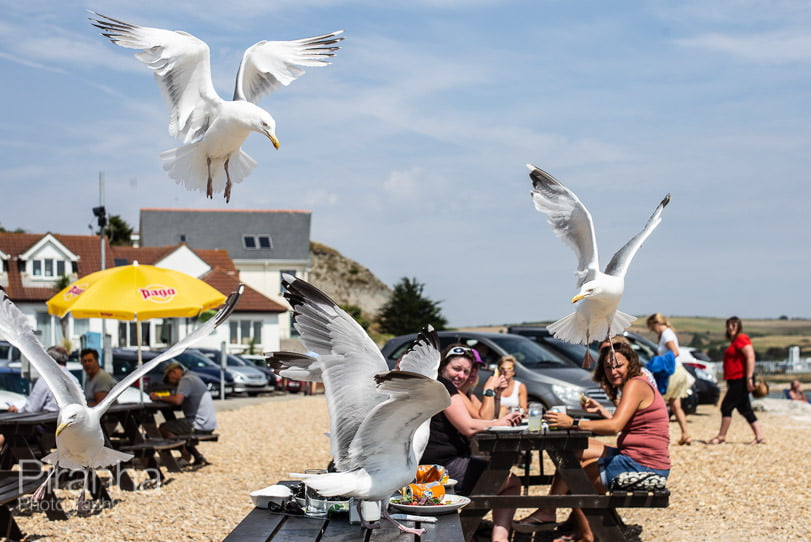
<point x="315" y="505"/>
<point x="534" y="415"/>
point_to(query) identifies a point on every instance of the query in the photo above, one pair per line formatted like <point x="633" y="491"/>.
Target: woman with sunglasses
<point x="514" y="394"/>
<point x="641" y="420"/>
<point x="489" y="407"/>
<point x="448" y="443"/>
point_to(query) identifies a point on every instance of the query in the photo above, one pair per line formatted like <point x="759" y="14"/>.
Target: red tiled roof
<point x="224" y="275"/>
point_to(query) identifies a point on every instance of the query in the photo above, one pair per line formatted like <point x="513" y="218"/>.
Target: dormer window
<point x="256" y="242"/>
<point x="48" y="268"/>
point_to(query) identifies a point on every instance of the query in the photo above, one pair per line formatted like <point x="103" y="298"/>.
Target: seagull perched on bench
<point x="79" y="438"/>
<point x="597" y="315"/>
<point x="374" y="412"/>
<point x="213" y="129"/>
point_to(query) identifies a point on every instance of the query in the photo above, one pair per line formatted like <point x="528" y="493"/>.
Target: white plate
<point x="452" y="503"/>
<point x="507" y="428"/>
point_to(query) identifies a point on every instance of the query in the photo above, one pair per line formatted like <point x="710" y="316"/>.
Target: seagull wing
<point x="424" y="356"/>
<point x="569" y="218"/>
<point x="385" y="435"/>
<point x="619" y="263"/>
<point x="16" y="329"/>
<point x="202" y="331"/>
<point x="182" y="69"/>
<point x="349" y="360"/>
<point x="268" y="64"/>
<point x="295" y="366"/>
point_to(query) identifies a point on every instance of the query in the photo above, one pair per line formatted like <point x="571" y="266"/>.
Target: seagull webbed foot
<point x="403" y="528"/>
<point x="227" y="183"/>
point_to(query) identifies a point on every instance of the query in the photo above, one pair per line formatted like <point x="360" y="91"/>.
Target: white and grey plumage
<point x="374" y="412"/>
<point x="79" y="438"/>
<point x="597" y="315"/>
<point x="213" y="129"/>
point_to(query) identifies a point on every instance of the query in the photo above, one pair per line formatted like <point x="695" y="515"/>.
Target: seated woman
<point x="796" y="393"/>
<point x="641" y="419"/>
<point x="489" y="407"/>
<point x="514" y="393"/>
<point x="448" y="443"/>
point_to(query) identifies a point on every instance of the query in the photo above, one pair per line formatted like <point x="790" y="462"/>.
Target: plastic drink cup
<point x="315" y="505"/>
<point x="534" y="415"/>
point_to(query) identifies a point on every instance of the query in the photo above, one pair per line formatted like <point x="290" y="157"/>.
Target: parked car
<point x="14" y="388"/>
<point x="544" y="337"/>
<point x="550" y="378"/>
<point x="258" y="361"/>
<point x="247" y="378"/>
<point x="125" y="361"/>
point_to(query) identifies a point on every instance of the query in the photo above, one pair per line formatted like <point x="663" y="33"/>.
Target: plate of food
<point x="448" y="503"/>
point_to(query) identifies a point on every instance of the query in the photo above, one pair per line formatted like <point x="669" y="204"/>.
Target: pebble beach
<point x="733" y="491"/>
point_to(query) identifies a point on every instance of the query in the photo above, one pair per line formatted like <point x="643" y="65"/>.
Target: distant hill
<point x="346" y="281"/>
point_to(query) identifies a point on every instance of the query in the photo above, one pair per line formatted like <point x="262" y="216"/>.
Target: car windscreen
<point x="194" y="360"/>
<point x="529" y="353"/>
<point x="14" y="382"/>
<point x="8" y="352"/>
<point x="574" y="351"/>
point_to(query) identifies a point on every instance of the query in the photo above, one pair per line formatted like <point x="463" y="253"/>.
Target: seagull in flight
<point x="212" y="129"/>
<point x="374" y="412"/>
<point x="79" y="438"/>
<point x="599" y="292"/>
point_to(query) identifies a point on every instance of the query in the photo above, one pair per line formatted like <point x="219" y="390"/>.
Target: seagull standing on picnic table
<point x="79" y="438"/>
<point x="213" y="129"/>
<point x="374" y="412"/>
<point x="600" y="292"/>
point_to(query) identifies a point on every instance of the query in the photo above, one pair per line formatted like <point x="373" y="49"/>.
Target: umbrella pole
<point x="140" y="360"/>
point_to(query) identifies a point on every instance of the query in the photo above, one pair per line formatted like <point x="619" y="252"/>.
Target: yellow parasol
<point x="135" y="292"/>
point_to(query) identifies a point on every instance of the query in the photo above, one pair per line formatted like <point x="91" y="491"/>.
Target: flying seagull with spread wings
<point x="374" y="412"/>
<point x="212" y="129"/>
<point x="79" y="438"/>
<point x="600" y="292"/>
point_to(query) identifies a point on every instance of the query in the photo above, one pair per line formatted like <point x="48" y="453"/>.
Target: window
<point x="48" y="268"/>
<point x="255" y="242"/>
<point x="127" y="334"/>
<point x="245" y="331"/>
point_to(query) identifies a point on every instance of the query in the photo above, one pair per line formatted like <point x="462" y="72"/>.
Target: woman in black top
<point x="448" y="444"/>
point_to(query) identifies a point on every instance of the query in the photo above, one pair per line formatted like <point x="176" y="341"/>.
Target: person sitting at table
<point x="514" y="394"/>
<point x="448" y="442"/>
<point x="192" y="395"/>
<point x="99" y="382"/>
<point x="482" y="409"/>
<point x="641" y="418"/>
<point x="41" y="399"/>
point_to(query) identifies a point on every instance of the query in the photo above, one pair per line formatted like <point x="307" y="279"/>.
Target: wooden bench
<point x="191" y="440"/>
<point x="145" y="452"/>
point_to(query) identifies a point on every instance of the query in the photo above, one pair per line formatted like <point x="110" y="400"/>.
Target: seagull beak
<point x="578" y="297"/>
<point x="61" y="428"/>
<point x="272" y="139"/>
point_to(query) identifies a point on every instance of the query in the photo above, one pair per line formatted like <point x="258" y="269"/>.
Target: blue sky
<point x="410" y="148"/>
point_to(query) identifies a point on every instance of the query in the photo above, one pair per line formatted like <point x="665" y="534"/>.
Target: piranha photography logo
<point x="32" y="474"/>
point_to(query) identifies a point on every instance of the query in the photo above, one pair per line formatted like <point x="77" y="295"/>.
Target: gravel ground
<point x="733" y="491"/>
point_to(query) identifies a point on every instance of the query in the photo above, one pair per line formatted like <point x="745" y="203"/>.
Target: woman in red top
<point x="739" y="370"/>
<point x="641" y="419"/>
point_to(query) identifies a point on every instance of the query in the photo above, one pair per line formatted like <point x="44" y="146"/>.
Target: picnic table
<point x="263" y="525"/>
<point x="505" y="449"/>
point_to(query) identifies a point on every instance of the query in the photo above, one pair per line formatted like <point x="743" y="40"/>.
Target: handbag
<point x="761" y="388"/>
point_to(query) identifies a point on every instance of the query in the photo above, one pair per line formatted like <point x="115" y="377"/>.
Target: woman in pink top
<point x="641" y="419"/>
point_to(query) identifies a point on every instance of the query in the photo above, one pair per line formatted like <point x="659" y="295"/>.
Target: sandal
<point x="717" y="440"/>
<point x="757" y="441"/>
<point x="685" y="440"/>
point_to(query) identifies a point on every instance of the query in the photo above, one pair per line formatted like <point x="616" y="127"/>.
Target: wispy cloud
<point x="769" y="48"/>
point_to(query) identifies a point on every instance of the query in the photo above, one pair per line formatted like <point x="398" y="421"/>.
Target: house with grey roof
<point x="263" y="244"/>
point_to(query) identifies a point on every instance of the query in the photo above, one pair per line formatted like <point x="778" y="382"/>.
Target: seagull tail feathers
<point x="348" y="484"/>
<point x="187" y="166"/>
<point x="571" y="329"/>
<point x="621" y="321"/>
<point x="105" y="457"/>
